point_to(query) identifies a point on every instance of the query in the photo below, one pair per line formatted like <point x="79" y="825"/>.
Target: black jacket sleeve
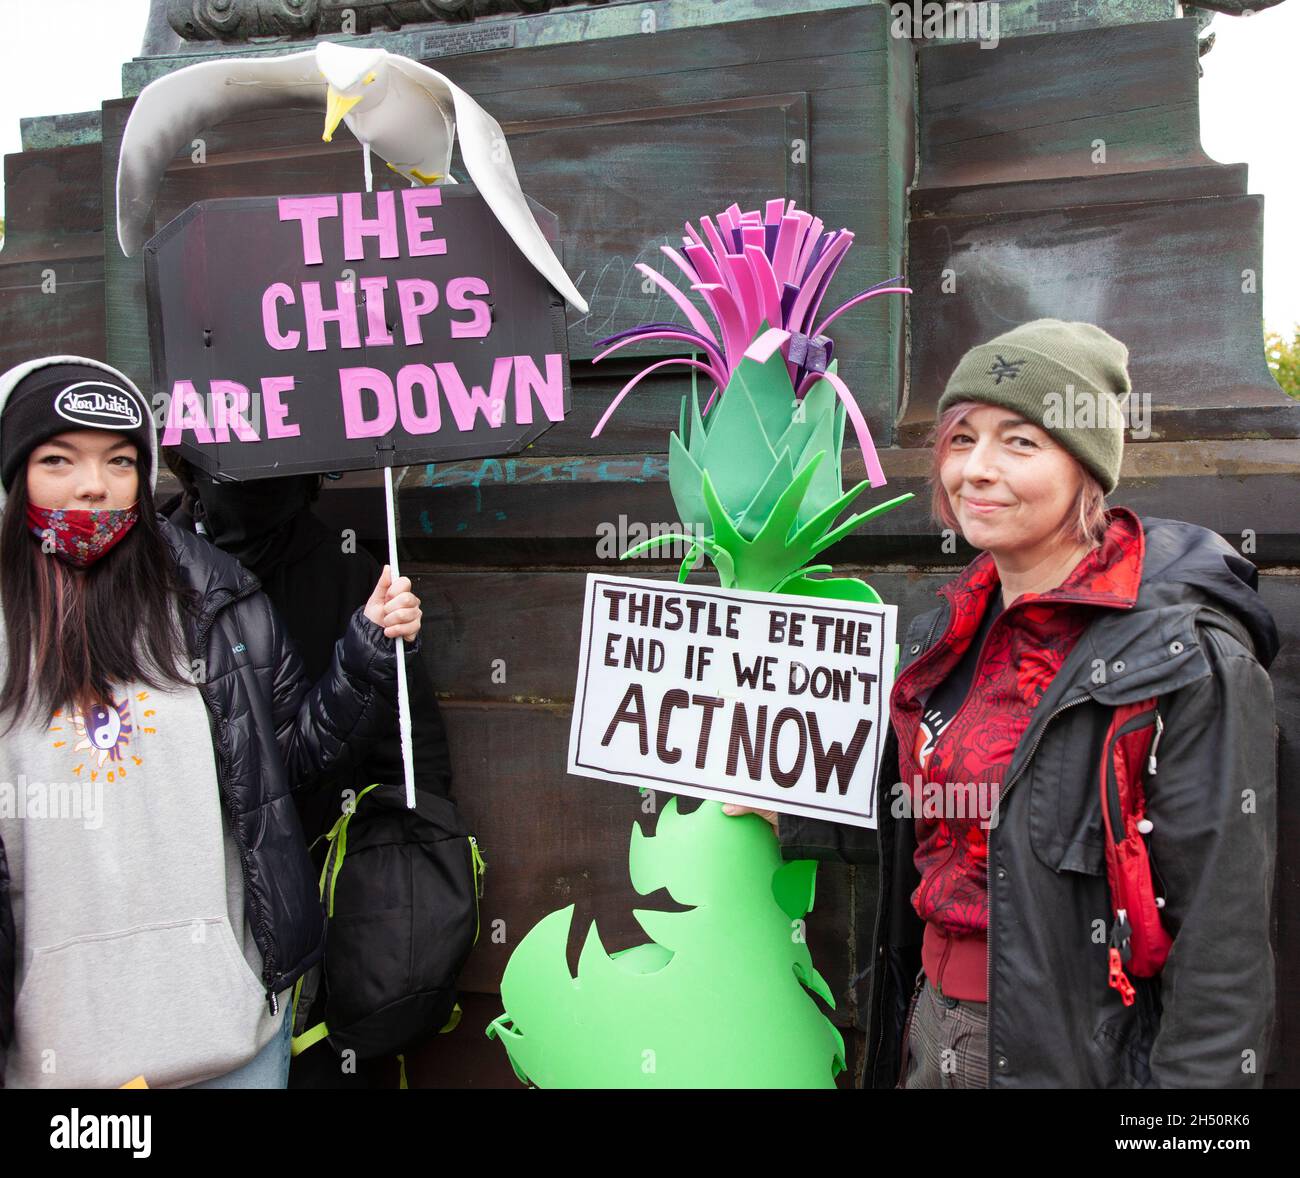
<point x="328" y="726"/>
<point x="1213" y="805"/>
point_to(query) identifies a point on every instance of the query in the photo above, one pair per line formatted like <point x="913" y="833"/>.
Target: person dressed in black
<point x="315" y="582"/>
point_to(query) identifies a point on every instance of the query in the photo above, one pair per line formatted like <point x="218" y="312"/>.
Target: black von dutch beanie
<point x="70" y="394"/>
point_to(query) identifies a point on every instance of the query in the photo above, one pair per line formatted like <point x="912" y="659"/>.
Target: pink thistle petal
<point x="765" y="280"/>
<point x="767" y="343"/>
<point x="681" y="263"/>
<point x="733" y="325"/>
<point x="828" y="276"/>
<point x="704" y="264"/>
<point x="787" y="242"/>
<point x="631" y="384"/>
<point x="742" y="282"/>
<point x="714" y="238"/>
<point x="684" y="304"/>
<point x="870" y="459"/>
<point x="811" y="238"/>
<point x="853" y="302"/>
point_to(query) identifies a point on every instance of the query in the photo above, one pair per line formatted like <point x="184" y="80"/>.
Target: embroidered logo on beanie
<point x="1008" y="368"/>
<point x="99" y="405"/>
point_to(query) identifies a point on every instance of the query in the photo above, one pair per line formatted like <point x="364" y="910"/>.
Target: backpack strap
<point x="337" y="837"/>
<point x="1138" y="939"/>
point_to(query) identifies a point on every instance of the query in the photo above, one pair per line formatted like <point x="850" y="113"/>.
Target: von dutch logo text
<point x="98" y="404"/>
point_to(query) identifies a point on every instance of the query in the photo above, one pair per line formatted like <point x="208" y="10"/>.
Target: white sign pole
<point x="403" y="694"/>
<point x="403" y="697"/>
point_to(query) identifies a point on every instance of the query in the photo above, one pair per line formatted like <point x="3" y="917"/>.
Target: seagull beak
<point x="336" y="106"/>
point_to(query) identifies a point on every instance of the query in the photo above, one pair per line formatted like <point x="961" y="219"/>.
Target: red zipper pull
<point x="1118" y="980"/>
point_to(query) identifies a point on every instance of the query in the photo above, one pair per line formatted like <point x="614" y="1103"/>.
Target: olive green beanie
<point x="1071" y="379"/>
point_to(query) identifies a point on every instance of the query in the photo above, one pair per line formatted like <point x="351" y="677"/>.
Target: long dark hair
<point x="111" y="623"/>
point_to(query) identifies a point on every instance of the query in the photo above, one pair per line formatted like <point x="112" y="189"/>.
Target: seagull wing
<point x="487" y="159"/>
<point x="172" y="110"/>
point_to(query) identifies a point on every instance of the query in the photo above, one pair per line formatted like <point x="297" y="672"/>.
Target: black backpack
<point x="401" y="890"/>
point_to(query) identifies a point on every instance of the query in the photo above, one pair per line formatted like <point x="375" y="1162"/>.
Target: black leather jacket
<point x="1199" y="638"/>
<point x="272" y="733"/>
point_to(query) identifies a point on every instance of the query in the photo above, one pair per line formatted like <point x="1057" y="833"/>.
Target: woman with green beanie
<point x="1001" y="957"/>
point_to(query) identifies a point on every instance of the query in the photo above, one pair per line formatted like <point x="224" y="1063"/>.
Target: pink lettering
<point x="309" y="210"/>
<point x="549" y="391"/>
<point x="229" y="403"/>
<point x="372" y="291"/>
<point x="409" y="378"/>
<point x="458" y="292"/>
<point x="185" y="411"/>
<point x="357" y="227"/>
<point x="413" y="200"/>
<point x="415" y="297"/>
<point x="354" y="381"/>
<point x="344" y="314"/>
<point x="277" y="410"/>
<point x="466" y="404"/>
<point x="277" y="292"/>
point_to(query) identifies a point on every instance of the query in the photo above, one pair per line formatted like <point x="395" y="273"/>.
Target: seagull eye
<point x="369" y="78"/>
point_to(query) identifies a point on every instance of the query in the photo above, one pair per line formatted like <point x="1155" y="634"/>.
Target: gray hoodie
<point x="134" y="956"/>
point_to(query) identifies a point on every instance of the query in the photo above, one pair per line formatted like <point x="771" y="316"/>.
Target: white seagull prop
<point x="405" y="112"/>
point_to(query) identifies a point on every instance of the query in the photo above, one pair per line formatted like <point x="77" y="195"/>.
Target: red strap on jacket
<point x="1138" y="939"/>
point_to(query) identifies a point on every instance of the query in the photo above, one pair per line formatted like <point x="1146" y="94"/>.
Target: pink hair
<point x="1083" y="523"/>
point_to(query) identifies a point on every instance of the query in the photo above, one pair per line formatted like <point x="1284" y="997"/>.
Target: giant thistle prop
<point x="721" y="995"/>
<point x="717" y="999"/>
<point x="758" y="470"/>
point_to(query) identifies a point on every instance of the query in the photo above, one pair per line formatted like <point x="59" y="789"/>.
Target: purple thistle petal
<point x="788" y="297"/>
<point x="828" y="259"/>
<point x="718" y="364"/>
<point x="640" y="327"/>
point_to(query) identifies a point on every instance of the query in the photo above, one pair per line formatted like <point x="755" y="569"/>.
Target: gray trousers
<point x="945" y="1041"/>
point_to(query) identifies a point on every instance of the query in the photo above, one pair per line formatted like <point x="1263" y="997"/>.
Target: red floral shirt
<point x="1025" y="647"/>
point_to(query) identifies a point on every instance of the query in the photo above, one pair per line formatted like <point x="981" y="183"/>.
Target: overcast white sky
<point x="1249" y="100"/>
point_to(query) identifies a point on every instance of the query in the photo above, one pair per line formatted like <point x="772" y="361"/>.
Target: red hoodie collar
<point x="1109" y="575"/>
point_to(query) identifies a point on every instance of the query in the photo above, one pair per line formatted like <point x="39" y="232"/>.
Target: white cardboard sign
<point x="774" y="701"/>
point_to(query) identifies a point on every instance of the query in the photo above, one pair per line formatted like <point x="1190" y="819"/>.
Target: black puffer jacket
<point x="1199" y="638"/>
<point x="272" y="732"/>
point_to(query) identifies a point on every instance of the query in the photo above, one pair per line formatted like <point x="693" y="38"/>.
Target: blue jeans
<point x="269" y="1068"/>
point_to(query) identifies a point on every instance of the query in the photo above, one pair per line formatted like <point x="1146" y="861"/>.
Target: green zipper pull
<point x="479" y="865"/>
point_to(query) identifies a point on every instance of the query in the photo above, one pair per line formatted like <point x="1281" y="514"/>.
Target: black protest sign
<point x="351" y="330"/>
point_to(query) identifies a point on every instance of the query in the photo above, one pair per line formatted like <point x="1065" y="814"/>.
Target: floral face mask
<point x="80" y="536"/>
